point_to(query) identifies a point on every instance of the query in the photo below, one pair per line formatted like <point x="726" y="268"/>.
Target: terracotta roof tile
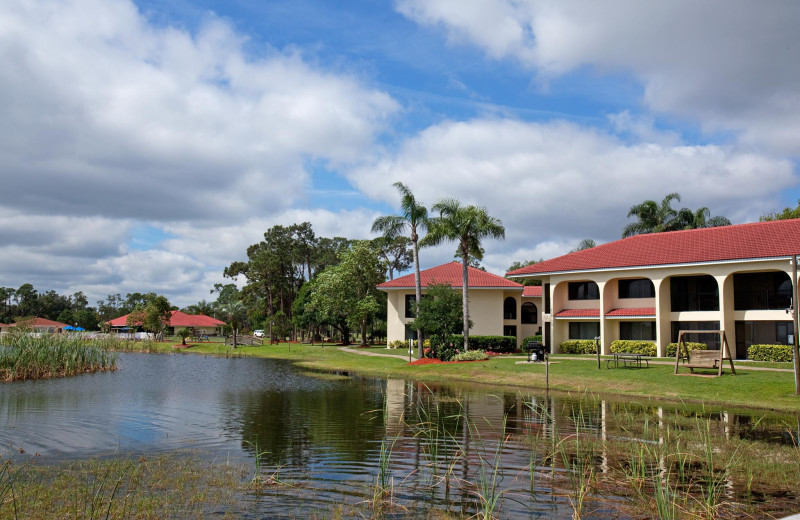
<point x="451" y="273"/>
<point x="779" y="238"/>
<point x="579" y="313"/>
<point x="532" y="291"/>
<point x="43" y="322"/>
<point x="178" y="319"/>
<point x="633" y="311"/>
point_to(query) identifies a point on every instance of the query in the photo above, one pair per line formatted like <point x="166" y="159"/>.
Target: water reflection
<point x="328" y="435"/>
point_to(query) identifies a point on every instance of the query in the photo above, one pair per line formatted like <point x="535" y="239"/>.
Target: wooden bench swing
<point x="704" y="359"/>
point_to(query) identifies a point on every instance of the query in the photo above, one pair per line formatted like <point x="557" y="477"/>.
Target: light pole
<point x="795" y="321"/>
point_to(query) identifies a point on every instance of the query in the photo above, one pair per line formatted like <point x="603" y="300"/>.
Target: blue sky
<point x="146" y="143"/>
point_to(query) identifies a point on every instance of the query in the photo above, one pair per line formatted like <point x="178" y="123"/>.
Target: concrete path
<point x="378" y="354"/>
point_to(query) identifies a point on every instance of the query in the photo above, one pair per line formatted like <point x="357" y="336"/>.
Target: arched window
<point x="510" y="309"/>
<point x="529" y="313"/>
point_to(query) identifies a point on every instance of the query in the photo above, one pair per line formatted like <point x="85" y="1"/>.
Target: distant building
<point x="497" y="306"/>
<point x="197" y="323"/>
<point x="38" y="325"/>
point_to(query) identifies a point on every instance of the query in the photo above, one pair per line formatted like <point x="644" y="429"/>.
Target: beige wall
<point x="485" y="309"/>
<point x="608" y="283"/>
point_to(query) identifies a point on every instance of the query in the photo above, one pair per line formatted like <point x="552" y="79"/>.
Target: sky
<point x="144" y="145"/>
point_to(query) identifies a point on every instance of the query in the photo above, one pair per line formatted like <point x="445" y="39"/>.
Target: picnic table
<point x="628" y="359"/>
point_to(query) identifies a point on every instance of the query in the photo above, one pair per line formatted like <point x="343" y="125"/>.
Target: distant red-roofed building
<point x="199" y="323"/>
<point x="38" y="325"/>
<point x="649" y="287"/>
<point x="498" y="306"/>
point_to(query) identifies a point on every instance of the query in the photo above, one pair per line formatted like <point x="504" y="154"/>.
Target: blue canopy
<point x="79" y="328"/>
<point x="70" y="327"/>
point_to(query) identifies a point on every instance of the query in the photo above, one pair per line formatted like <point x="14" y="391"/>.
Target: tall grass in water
<point x="33" y="356"/>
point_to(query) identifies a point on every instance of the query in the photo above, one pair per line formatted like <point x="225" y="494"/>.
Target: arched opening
<point x="510" y="309"/>
<point x="529" y="313"/>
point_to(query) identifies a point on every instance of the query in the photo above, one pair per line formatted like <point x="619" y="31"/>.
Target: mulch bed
<point x="434" y="361"/>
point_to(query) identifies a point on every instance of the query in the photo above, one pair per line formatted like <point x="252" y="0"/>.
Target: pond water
<point x="443" y="446"/>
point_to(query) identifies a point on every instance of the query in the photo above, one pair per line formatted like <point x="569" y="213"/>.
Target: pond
<point x="343" y="439"/>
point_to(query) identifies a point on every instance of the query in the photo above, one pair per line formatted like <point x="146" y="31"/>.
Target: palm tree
<point x="233" y="309"/>
<point x="653" y="217"/>
<point x="414" y="219"/>
<point x="467" y="225"/>
<point x="700" y="218"/>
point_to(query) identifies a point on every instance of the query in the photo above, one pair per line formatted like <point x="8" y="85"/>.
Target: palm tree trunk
<point x="465" y="298"/>
<point x="418" y="287"/>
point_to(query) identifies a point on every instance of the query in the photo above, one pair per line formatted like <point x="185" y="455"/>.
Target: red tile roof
<point x="579" y="313"/>
<point x="634" y="311"/>
<point x="42" y="322"/>
<point x="178" y="319"/>
<point x="779" y="238"/>
<point x="532" y="291"/>
<point x="451" y="273"/>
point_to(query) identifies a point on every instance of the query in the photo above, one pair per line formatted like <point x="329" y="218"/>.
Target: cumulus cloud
<point x="728" y="64"/>
<point x="104" y="113"/>
<point x="557" y="183"/>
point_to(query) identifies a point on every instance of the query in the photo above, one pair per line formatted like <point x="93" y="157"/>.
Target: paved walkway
<point x="738" y="364"/>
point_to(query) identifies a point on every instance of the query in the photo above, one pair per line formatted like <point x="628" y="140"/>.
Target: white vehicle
<point x="259" y="333"/>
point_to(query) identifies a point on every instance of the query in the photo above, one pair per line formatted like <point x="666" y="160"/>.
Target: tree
<point x="652" y="216"/>
<point x="659" y="217"/>
<point x="784" y="214"/>
<point x="520" y="265"/>
<point x="157" y="314"/>
<point x="586" y="243"/>
<point x="468" y="226"/>
<point x="413" y="220"/>
<point x="233" y="309"/>
<point x="440" y="314"/>
<point x="395" y="252"/>
<point x="346" y="294"/>
<point x="184" y="333"/>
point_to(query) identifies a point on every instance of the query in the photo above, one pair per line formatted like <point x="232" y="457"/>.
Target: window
<point x="782" y="331"/>
<point x="637" y="330"/>
<point x="762" y="291"/>
<point x="694" y="293"/>
<point x="530" y="314"/>
<point x="411" y="299"/>
<point x="583" y="291"/>
<point x="584" y="329"/>
<point x="641" y="288"/>
<point x="547" y="298"/>
<point x="712" y="340"/>
<point x="509" y="309"/>
<point x="510" y="330"/>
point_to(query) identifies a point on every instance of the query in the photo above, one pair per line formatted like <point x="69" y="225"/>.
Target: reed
<point x="32" y="356"/>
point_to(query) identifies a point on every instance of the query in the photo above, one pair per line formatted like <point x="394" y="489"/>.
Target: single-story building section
<point x="650" y="287"/>
<point x="38" y="325"/>
<point x="197" y="323"/>
<point x="497" y="306"/>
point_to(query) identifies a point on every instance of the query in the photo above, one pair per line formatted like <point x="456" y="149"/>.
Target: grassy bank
<point x="28" y="356"/>
<point x="748" y="388"/>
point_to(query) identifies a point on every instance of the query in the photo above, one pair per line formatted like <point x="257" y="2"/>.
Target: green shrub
<point x="535" y="337"/>
<point x="498" y="344"/>
<point x="398" y="343"/>
<point x="775" y="353"/>
<point x="672" y="348"/>
<point x="578" y="346"/>
<point x="471" y="355"/>
<point x="648" y="348"/>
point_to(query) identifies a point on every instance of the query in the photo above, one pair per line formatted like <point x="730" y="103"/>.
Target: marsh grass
<point x="166" y="486"/>
<point x="29" y="356"/>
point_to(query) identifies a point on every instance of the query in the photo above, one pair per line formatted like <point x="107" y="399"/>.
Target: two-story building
<point x="497" y="306"/>
<point x="650" y="287"/>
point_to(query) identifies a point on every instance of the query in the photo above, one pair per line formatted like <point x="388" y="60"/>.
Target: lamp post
<point x="795" y="321"/>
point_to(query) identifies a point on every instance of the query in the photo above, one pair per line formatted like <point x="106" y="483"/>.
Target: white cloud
<point x="557" y="183"/>
<point x="103" y="113"/>
<point x="728" y="64"/>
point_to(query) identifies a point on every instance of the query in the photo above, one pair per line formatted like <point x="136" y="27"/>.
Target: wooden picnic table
<point x="627" y="359"/>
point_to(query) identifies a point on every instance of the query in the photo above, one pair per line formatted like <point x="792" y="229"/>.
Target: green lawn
<point x="749" y="388"/>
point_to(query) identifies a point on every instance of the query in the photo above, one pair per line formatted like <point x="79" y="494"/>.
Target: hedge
<point x="769" y="352"/>
<point x="648" y="348"/>
<point x="672" y="348"/>
<point x="577" y="346"/>
<point x="535" y="337"/>
<point x="497" y="344"/>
